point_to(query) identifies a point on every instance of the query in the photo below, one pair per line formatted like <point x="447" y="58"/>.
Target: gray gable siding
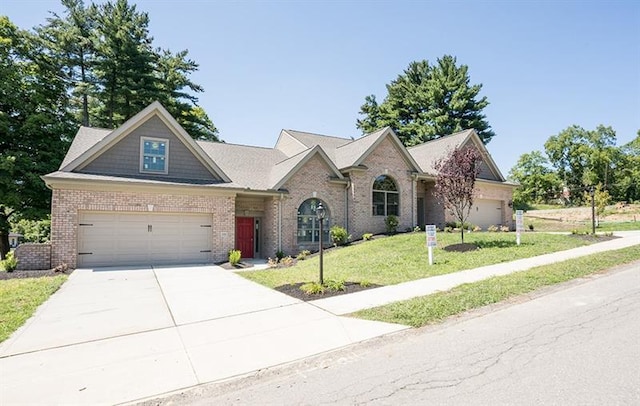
<point x="485" y="171"/>
<point x="123" y="158"/>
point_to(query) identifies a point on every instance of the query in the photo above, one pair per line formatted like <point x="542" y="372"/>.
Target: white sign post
<point x="519" y="225"/>
<point x="431" y="241"/>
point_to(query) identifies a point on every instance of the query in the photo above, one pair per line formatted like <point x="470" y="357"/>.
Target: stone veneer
<point x="66" y="204"/>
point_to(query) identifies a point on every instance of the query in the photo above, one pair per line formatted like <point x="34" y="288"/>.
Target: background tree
<point x="428" y="101"/>
<point x="583" y="158"/>
<point x="627" y="186"/>
<point x="70" y="41"/>
<point x="112" y="70"/>
<point x="538" y="182"/>
<point x="456" y="180"/>
<point x="34" y="126"/>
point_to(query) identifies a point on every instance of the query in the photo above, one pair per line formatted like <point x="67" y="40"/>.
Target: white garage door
<point x="485" y="213"/>
<point x="108" y="238"/>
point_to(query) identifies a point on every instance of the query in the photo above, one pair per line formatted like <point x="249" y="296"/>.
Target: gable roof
<point x="83" y="158"/>
<point x="268" y="169"/>
<point x="345" y="152"/>
<point x="428" y="153"/>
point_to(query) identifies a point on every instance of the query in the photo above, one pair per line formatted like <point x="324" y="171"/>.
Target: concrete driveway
<point x="117" y="335"/>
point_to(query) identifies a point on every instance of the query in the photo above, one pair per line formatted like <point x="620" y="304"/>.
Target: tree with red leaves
<point x="456" y="180"/>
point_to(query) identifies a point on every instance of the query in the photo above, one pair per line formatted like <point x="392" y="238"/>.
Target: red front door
<point x="244" y="236"/>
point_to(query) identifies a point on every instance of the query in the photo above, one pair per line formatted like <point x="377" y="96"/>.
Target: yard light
<point x="320" y="212"/>
<point x="592" y="193"/>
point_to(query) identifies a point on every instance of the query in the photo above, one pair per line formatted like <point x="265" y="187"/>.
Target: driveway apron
<point x="117" y="335"/>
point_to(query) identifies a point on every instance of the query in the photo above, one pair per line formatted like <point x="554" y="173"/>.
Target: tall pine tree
<point x="428" y="101"/>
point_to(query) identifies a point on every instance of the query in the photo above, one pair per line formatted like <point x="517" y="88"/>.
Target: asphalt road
<point x="577" y="344"/>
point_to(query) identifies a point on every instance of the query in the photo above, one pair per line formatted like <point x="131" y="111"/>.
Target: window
<point x="386" y="199"/>
<point x="154" y="155"/>
<point x="309" y="225"/>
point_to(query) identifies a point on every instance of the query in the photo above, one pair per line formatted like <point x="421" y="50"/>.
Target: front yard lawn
<point x="19" y="298"/>
<point x="433" y="308"/>
<point x="404" y="257"/>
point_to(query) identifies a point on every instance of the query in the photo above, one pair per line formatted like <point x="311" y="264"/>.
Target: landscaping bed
<point x="31" y="274"/>
<point x="294" y="290"/>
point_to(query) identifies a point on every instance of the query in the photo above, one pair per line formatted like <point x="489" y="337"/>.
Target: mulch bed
<point x="466" y="247"/>
<point x="294" y="291"/>
<point x="31" y="274"/>
<point x="595" y="238"/>
<point x="241" y="265"/>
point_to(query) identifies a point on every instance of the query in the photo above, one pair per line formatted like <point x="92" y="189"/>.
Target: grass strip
<point x="404" y="257"/>
<point x="19" y="299"/>
<point x="430" y="309"/>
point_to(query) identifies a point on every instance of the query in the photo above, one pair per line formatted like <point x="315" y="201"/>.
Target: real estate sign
<point x="431" y="240"/>
<point x="519" y="224"/>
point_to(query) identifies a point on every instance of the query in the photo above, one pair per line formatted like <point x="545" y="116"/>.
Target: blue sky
<point x="308" y="65"/>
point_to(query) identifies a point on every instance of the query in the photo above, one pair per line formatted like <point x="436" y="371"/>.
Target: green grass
<point x="582" y="226"/>
<point x="404" y="257"/>
<point x="433" y="308"/>
<point x="19" y="298"/>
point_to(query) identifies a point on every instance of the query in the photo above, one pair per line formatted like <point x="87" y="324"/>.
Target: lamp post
<point x="320" y="212"/>
<point x="592" y="192"/>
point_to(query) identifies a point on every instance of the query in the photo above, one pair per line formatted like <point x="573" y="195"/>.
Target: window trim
<point x="385" y="193"/>
<point x="166" y="156"/>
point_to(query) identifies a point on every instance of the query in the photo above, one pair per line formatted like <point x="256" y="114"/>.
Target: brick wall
<point x="384" y="160"/>
<point x="67" y="203"/>
<point x="32" y="256"/>
<point x="312" y="178"/>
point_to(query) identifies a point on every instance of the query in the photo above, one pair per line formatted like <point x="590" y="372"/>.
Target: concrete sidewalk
<point x="345" y="304"/>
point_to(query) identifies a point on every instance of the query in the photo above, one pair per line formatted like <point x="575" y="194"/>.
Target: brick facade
<point x="66" y="204"/>
<point x="32" y="256"/>
<point x="384" y="160"/>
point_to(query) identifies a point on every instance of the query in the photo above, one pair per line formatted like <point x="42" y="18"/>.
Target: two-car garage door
<point x="485" y="213"/>
<point x="108" y="238"/>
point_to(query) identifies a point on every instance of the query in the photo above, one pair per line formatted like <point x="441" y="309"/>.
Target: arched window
<point x="386" y="199"/>
<point x="308" y="223"/>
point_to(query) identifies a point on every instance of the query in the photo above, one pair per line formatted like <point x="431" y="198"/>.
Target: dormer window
<point x="154" y="155"/>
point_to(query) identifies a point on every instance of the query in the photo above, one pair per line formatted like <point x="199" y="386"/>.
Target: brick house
<point x="147" y="193"/>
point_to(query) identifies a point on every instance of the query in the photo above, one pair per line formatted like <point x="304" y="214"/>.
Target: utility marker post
<point x="431" y="240"/>
<point x="519" y="225"/>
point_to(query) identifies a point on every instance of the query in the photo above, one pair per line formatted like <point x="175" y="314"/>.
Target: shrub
<point x="303" y="255"/>
<point x="339" y="235"/>
<point x="531" y="227"/>
<point x="477" y="228"/>
<point x="417" y="229"/>
<point x="448" y="229"/>
<point x="335" y="285"/>
<point x="234" y="257"/>
<point x="392" y="224"/>
<point x="10" y="263"/>
<point x="38" y="231"/>
<point x="365" y="283"/>
<point x="367" y="236"/>
<point x="504" y="229"/>
<point x="492" y="228"/>
<point x="272" y="263"/>
<point x="279" y="255"/>
<point x="286" y="261"/>
<point x="312" y="288"/>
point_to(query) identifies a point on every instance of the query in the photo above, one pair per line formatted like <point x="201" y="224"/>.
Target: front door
<point x="421" y="211"/>
<point x="244" y="236"/>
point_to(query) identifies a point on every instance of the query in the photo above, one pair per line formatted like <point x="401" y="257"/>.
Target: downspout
<point x="280" y="222"/>
<point x="414" y="218"/>
<point x="346" y="205"/>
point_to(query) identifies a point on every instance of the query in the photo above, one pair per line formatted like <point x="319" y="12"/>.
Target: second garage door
<point x="485" y="213"/>
<point x="108" y="239"/>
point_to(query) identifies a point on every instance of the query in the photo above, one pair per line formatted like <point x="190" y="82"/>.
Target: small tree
<point x="456" y="180"/>
<point x="601" y="200"/>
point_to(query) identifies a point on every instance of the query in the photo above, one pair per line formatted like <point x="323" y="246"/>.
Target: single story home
<point x="147" y="193"/>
